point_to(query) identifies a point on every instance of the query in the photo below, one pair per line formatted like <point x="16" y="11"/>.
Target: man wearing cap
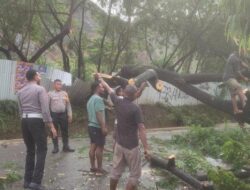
<point x="34" y="110"/>
<point x="130" y="123"/>
<point x="61" y="113"/>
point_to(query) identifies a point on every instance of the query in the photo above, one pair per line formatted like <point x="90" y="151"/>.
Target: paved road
<point x="69" y="171"/>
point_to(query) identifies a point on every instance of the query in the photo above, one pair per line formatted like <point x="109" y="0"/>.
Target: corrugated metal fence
<point x="8" y="76"/>
<point x="7" y="79"/>
<point x="80" y="90"/>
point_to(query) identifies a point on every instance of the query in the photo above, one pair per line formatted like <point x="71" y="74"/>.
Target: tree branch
<point x="104" y="37"/>
<point x="65" y="30"/>
<point x="6" y="52"/>
<point x="182" y="58"/>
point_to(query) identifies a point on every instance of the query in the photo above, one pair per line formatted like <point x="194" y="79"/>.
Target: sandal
<point x="94" y="170"/>
<point x="101" y="172"/>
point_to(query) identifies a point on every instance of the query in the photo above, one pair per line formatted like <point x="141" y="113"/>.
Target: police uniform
<point x="60" y="111"/>
<point x="34" y="111"/>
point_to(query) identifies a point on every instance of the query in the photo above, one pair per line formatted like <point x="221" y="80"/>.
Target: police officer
<point x="61" y="113"/>
<point x="34" y="110"/>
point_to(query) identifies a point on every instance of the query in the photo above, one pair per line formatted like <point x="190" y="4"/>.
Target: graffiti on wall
<point x="173" y="96"/>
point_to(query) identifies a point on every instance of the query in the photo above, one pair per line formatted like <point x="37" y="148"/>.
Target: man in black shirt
<point x="129" y="123"/>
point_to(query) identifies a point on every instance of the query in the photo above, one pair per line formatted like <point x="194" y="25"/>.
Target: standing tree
<point x="17" y="34"/>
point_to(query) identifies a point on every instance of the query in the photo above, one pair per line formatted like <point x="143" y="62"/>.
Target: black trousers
<point x="35" y="139"/>
<point x="60" y="120"/>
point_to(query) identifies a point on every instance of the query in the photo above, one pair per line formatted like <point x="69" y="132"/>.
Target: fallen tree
<point x="185" y="83"/>
<point x="169" y="165"/>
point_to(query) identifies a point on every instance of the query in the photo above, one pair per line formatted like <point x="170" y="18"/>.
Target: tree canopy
<point x="185" y="36"/>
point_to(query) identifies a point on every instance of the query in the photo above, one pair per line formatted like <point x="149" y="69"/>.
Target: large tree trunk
<point x="184" y="83"/>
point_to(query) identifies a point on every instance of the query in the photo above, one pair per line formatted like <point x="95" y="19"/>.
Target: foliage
<point x="226" y="180"/>
<point x="236" y="153"/>
<point x="8" y="116"/>
<point x="230" y="144"/>
<point x="238" y="28"/>
<point x="187" y="159"/>
<point x="9" y="107"/>
<point x="198" y="119"/>
<point x="191" y="162"/>
<point x="192" y="148"/>
<point x="200" y="138"/>
<point x="12" y="175"/>
<point x="20" y="33"/>
<point x="182" y="35"/>
<point x="193" y="40"/>
<point x="182" y="116"/>
<point x="168" y="182"/>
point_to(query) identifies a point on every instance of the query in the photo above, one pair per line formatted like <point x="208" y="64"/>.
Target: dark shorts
<point x="96" y="136"/>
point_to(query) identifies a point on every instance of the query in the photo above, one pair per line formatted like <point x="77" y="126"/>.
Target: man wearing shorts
<point x="96" y="127"/>
<point x="130" y="123"/>
<point x="232" y="72"/>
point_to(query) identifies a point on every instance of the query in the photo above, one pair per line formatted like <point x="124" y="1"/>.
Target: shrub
<point x="9" y="119"/>
<point x="235" y="153"/>
<point x="225" y="180"/>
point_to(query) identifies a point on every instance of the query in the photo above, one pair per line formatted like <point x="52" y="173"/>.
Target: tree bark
<point x="169" y="164"/>
<point x="65" y="57"/>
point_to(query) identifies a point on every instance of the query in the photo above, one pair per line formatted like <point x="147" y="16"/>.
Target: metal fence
<point x="8" y="76"/>
<point x="7" y="79"/>
<point x="80" y="90"/>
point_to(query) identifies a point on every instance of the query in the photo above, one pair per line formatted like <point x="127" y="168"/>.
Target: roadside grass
<point x="192" y="148"/>
<point x="12" y="174"/>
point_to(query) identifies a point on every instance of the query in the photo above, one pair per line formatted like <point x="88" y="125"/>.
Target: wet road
<point x="70" y="171"/>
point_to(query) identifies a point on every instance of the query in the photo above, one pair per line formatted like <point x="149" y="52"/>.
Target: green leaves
<point x="225" y="180"/>
<point x="235" y="153"/>
<point x="238" y="28"/>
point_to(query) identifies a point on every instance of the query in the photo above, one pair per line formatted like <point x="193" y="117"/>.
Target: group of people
<point x="39" y="109"/>
<point x="129" y="128"/>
